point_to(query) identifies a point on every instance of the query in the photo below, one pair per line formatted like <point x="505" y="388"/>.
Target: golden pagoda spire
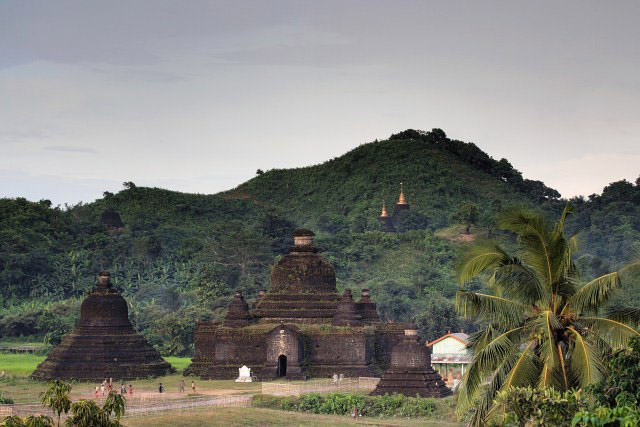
<point x="384" y="210"/>
<point x="402" y="200"/>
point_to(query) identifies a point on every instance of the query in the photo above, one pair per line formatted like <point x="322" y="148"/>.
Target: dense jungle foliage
<point x="180" y="257"/>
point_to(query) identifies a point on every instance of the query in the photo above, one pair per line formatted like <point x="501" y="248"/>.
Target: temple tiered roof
<point x="410" y="372"/>
<point x="103" y="344"/>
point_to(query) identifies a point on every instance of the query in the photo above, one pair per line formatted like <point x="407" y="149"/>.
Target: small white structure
<point x="244" y="375"/>
<point x="449" y="355"/>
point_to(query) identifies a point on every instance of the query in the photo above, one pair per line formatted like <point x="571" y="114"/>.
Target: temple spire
<point x="402" y="200"/>
<point x="384" y="210"/>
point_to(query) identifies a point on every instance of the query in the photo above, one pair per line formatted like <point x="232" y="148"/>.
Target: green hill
<point x="180" y="256"/>
<point x="437" y="174"/>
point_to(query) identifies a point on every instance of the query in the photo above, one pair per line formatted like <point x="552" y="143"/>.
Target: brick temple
<point x="301" y="327"/>
<point x="410" y="372"/>
<point x="103" y="344"/>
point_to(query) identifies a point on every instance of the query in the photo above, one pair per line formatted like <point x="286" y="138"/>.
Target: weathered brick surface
<point x="103" y="344"/>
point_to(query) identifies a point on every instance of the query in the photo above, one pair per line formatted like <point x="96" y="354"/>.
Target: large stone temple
<point x="301" y="327"/>
<point x="103" y="344"/>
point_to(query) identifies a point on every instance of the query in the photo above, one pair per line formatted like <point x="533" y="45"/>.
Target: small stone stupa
<point x="103" y="344"/>
<point x="111" y="219"/>
<point x="410" y="372"/>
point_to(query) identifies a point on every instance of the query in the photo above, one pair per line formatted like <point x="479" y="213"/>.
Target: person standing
<point x="181" y="387"/>
<point x="96" y="393"/>
<point x="130" y="389"/>
<point x="193" y="386"/>
<point x="160" y="388"/>
<point x="102" y="389"/>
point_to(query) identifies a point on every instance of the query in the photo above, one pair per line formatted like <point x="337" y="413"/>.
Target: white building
<point x="449" y="355"/>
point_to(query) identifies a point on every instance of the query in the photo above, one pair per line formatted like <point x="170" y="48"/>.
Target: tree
<point x="544" y="327"/>
<point x="56" y="397"/>
<point x="85" y="413"/>
<point x="115" y="404"/>
<point x="466" y="214"/>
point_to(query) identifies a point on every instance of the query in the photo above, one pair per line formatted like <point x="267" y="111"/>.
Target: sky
<point x="195" y="96"/>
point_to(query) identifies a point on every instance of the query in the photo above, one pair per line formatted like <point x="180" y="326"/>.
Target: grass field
<point x="19" y="364"/>
<point x="268" y="417"/>
<point x="21" y="389"/>
<point x="22" y="364"/>
<point x="17" y="385"/>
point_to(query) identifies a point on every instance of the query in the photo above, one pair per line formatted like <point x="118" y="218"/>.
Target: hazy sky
<point x="196" y="95"/>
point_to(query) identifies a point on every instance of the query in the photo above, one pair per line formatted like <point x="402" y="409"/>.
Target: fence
<point x="23" y="348"/>
<point x="320" y="386"/>
<point x="144" y="403"/>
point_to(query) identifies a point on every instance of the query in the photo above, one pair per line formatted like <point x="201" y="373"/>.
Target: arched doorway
<point x="282" y="365"/>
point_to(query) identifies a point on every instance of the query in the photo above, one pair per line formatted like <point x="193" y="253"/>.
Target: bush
<point x="622" y="386"/>
<point x="535" y="407"/>
<point x="343" y="404"/>
<point x="5" y="400"/>
<point x="621" y="416"/>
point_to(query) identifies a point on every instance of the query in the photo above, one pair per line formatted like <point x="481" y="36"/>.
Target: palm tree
<point x="56" y="397"/>
<point x="544" y="327"/>
<point x="115" y="403"/>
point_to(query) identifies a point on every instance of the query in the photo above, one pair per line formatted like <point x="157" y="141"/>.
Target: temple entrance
<point x="282" y="366"/>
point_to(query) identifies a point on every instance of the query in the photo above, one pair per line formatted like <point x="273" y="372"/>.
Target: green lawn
<point x="19" y="364"/>
<point x="22" y="364"/>
<point x="179" y="363"/>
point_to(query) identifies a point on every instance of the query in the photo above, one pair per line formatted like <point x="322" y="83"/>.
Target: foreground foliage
<point x="56" y="398"/>
<point x="519" y="406"/>
<point x="30" y="421"/>
<point x="344" y="403"/>
<point x="544" y="327"/>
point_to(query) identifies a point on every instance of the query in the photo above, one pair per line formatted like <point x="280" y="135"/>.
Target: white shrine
<point x="244" y="375"/>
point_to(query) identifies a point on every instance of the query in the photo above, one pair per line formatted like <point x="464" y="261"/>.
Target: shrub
<point x="536" y="407"/>
<point x="622" y="386"/>
<point x="624" y="416"/>
<point x="343" y="404"/>
<point x="5" y="400"/>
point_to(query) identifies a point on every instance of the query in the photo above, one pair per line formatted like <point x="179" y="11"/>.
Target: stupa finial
<point x="383" y="214"/>
<point x="402" y="200"/>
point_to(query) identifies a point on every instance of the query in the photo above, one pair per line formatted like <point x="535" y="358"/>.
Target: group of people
<point x="108" y="387"/>
<point x="180" y="387"/>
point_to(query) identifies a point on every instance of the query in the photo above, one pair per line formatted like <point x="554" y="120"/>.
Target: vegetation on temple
<point x="543" y="325"/>
<point x="180" y="257"/>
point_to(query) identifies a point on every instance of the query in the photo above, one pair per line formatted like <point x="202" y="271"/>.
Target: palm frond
<point x="479" y="259"/>
<point x="616" y="334"/>
<point x="595" y="294"/>
<point x="525" y="370"/>
<point x="494" y="350"/>
<point x="518" y="282"/>
<point x="586" y="362"/>
<point x="624" y="314"/>
<point x="542" y="247"/>
<point x="505" y="312"/>
<point x="568" y="210"/>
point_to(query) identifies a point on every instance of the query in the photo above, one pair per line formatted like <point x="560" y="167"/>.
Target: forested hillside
<point x="179" y="257"/>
